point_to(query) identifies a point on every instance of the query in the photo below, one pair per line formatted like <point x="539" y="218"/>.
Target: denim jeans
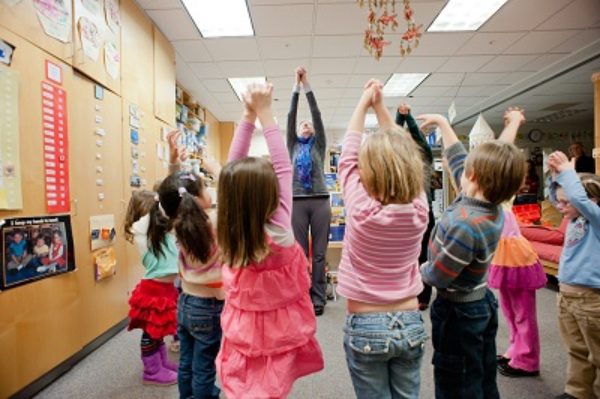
<point x="464" y="343"/>
<point x="384" y="352"/>
<point x="199" y="332"/>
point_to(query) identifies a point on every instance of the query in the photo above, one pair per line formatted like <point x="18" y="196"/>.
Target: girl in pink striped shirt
<point x="387" y="214"/>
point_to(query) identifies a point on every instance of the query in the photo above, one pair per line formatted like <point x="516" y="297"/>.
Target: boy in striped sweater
<point x="464" y="315"/>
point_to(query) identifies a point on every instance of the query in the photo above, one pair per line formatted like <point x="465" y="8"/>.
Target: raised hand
<point x="404" y="109"/>
<point x="558" y="162"/>
<point x="258" y="97"/>
<point x="300" y="75"/>
<point x="431" y="120"/>
<point x="176" y="154"/>
<point x="514" y="115"/>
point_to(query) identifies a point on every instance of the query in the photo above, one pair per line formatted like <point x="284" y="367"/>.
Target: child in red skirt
<point x="153" y="303"/>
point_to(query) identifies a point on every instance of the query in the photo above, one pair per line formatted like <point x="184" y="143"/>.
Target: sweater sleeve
<point x="291" y="122"/>
<point x="456" y="155"/>
<point x="449" y="255"/>
<point x="241" y="141"/>
<point x="283" y="169"/>
<point x="320" y="138"/>
<point x="353" y="189"/>
<point x="578" y="198"/>
<point x="419" y="138"/>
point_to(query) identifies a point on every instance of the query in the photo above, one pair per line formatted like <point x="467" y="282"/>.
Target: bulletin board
<point x="97" y="41"/>
<point x="164" y="78"/>
<point x="25" y="19"/>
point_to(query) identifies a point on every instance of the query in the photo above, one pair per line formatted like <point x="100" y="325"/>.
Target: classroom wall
<point x="45" y="322"/>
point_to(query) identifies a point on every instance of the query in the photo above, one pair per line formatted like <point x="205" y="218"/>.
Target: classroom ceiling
<point x="538" y="54"/>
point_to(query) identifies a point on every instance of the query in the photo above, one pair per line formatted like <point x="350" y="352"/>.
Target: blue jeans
<point x="199" y="332"/>
<point x="464" y="343"/>
<point x="384" y="352"/>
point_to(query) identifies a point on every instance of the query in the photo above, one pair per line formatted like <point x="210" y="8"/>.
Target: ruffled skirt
<point x="153" y="308"/>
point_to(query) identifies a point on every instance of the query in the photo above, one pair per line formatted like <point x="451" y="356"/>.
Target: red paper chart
<point x="56" y="147"/>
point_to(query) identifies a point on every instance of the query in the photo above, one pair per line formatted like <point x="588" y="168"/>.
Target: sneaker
<point x="565" y="396"/>
<point x="42" y="269"/>
<point x="20" y="267"/>
<point x="319" y="310"/>
<point x="508" y="371"/>
<point x="500" y="359"/>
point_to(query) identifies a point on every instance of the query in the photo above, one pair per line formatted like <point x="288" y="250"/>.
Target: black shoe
<point x="565" y="396"/>
<point x="319" y="310"/>
<point x="509" y="371"/>
<point x="502" y="360"/>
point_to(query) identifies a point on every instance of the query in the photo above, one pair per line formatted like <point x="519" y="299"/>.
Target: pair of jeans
<point x="464" y="343"/>
<point x="384" y="353"/>
<point x="199" y="332"/>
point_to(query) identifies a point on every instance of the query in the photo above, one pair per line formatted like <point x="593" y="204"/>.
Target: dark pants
<point x="425" y="295"/>
<point x="464" y="342"/>
<point x="313" y="213"/>
<point x="199" y="332"/>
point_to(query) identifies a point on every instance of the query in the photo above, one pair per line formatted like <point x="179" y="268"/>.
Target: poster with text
<point x="55" y="17"/>
<point x="35" y="248"/>
<point x="11" y="196"/>
<point x="56" y="144"/>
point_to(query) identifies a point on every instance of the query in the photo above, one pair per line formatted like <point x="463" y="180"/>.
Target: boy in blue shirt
<point x="17" y="253"/>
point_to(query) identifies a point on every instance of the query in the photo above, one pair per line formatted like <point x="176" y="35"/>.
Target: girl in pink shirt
<point x="387" y="214"/>
<point x="268" y="320"/>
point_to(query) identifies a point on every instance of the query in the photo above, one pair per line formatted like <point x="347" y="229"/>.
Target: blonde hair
<point x="391" y="166"/>
<point x="248" y="195"/>
<point x="140" y="204"/>
<point x="499" y="169"/>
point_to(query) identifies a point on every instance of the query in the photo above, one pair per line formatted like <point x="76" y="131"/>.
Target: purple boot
<point x="155" y="373"/>
<point x="164" y="358"/>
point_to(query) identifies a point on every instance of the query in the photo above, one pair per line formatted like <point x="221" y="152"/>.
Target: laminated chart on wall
<point x="56" y="144"/>
<point x="55" y="17"/>
<point x="10" y="164"/>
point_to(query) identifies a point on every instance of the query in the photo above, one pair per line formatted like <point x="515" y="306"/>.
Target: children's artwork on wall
<point x="134" y="135"/>
<point x="113" y="15"/>
<point x="112" y="60"/>
<point x="93" y="6"/>
<point x="11" y="196"/>
<point x="10" y="3"/>
<point x="90" y="38"/>
<point x="6" y="52"/>
<point x="135" y="181"/>
<point x="55" y="17"/>
<point x="105" y="263"/>
<point x="102" y="231"/>
<point x="35" y="248"/>
<point x="337" y="199"/>
<point x="56" y="143"/>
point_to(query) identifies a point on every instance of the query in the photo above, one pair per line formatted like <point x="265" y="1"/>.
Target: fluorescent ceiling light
<point x="220" y="18"/>
<point x="402" y="84"/>
<point x="465" y="15"/>
<point x="239" y="85"/>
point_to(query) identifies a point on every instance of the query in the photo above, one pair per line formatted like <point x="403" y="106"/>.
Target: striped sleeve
<point x="456" y="155"/>
<point x="450" y="252"/>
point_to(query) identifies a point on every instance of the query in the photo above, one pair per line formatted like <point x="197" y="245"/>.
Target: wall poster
<point x="35" y="248"/>
<point x="11" y="196"/>
<point x="56" y="148"/>
<point x="55" y="17"/>
<point x="90" y="38"/>
<point x="113" y="15"/>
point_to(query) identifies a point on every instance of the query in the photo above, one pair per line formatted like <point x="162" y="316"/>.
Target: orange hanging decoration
<point x="374" y="40"/>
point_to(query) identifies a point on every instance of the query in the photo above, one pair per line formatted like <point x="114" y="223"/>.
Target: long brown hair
<point x="140" y="204"/>
<point x="178" y="195"/>
<point x="248" y="196"/>
<point x="591" y="185"/>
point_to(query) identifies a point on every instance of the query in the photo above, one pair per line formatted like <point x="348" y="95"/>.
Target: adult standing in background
<point x="307" y="146"/>
<point x="583" y="163"/>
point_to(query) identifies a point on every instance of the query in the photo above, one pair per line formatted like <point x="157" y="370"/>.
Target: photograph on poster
<point x="35" y="248"/>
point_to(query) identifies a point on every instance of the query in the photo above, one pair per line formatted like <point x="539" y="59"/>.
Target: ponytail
<point x="193" y="229"/>
<point x="158" y="228"/>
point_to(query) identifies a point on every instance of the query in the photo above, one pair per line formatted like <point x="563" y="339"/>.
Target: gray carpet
<point x="114" y="370"/>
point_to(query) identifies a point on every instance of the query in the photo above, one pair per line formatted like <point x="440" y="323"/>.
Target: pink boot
<point x="164" y="358"/>
<point x="155" y="373"/>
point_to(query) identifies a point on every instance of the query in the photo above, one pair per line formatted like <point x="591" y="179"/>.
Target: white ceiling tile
<point x="578" y="41"/>
<point x="159" y="4"/>
<point x="513" y="77"/>
<point x="332" y="65"/>
<point x="240" y="69"/>
<point x="577" y="15"/>
<point x="420" y="64"/>
<point x="192" y="50"/>
<point x="175" y="24"/>
<point x="367" y="65"/>
<point x="328" y="80"/>
<point x="358" y="81"/>
<point x="463" y="102"/>
<point x="225" y="98"/>
<point x="284" y="47"/>
<point x="231" y="49"/>
<point x="543" y="61"/>
<point x="217" y="85"/>
<point x="291" y="20"/>
<point x="443" y="101"/>
<point x="489" y="43"/>
<point x="440" y="91"/>
<point x="443" y="79"/>
<point x="477" y="79"/>
<point x="507" y="63"/>
<point x="328" y="94"/>
<point x="337" y="46"/>
<point x="540" y="42"/>
<point x="274" y="68"/>
<point x="330" y="22"/>
<point x="522" y="15"/>
<point x="437" y="43"/>
<point x="465" y="63"/>
<point x="277" y="2"/>
<point x="469" y="91"/>
<point x="491" y="90"/>
<point x="206" y="70"/>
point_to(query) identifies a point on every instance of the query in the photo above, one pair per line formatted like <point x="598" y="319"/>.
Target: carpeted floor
<point x="114" y="370"/>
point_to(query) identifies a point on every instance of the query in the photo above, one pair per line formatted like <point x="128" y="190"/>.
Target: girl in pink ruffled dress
<point x="268" y="319"/>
